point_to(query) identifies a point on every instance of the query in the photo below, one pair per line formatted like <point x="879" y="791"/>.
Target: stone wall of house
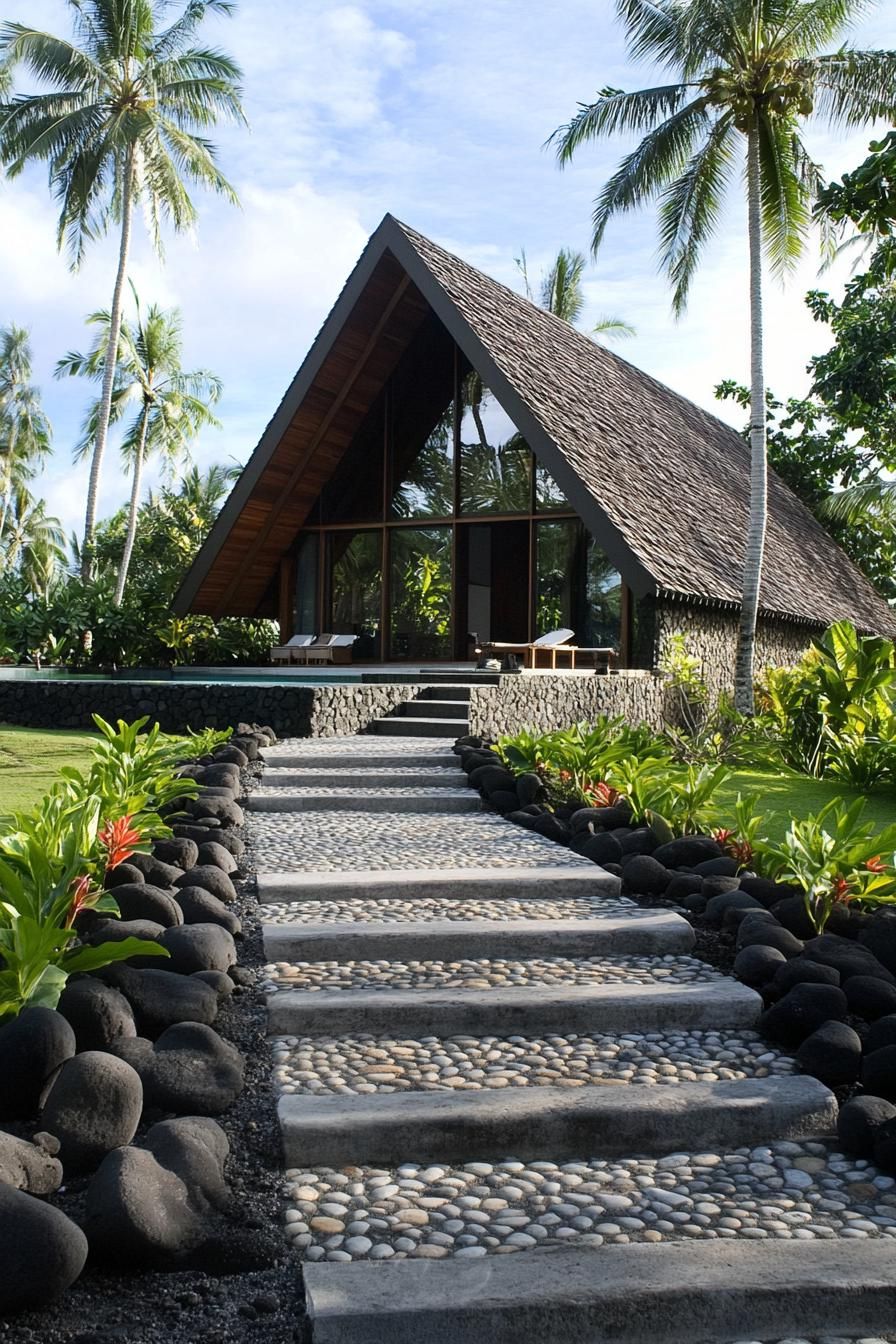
<point x="544" y="702"/>
<point x="292" y="711"/>
<point x="711" y="636"/>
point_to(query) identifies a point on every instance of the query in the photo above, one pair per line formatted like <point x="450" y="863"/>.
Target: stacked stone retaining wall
<point x="292" y="711"/>
<point x="543" y="703"/>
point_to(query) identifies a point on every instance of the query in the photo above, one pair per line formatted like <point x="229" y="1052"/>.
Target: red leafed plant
<point x="84" y="896"/>
<point x="601" y="793"/>
<point x="120" y="840"/>
<point x="739" y="850"/>
<point x="841" y="890"/>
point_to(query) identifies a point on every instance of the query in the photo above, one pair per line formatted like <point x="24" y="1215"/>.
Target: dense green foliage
<point x="834" y="714"/>
<point x="831" y="717"/>
<point x="55" y="858"/>
<point x="171" y="526"/>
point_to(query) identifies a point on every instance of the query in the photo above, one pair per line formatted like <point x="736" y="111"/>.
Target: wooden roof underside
<point x="365" y="352"/>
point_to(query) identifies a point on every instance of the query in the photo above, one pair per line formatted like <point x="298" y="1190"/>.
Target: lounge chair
<point x="338" y="650"/>
<point x="289" y="652"/>
<point x="549" y="642"/>
<point x="311" y="651"/>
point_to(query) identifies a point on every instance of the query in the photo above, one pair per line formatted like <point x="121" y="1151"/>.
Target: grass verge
<point x="30" y="760"/>
<point x="781" y="797"/>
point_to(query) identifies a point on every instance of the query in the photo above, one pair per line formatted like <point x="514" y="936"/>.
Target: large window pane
<point x="354" y="492"/>
<point x="555" y="555"/>
<point x="421" y="592"/>
<point x="603" y="600"/>
<point x="495" y="461"/>
<point x="427" y="487"/>
<point x="548" y="495"/>
<point x="356" y="587"/>
<point x="306" y="586"/>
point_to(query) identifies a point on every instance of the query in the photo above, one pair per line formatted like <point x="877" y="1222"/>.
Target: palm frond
<point x="805" y="28"/>
<point x="613" y="328"/>
<point x="690" y="207"/>
<point x="854" y="87"/>
<point x="51" y="59"/>
<point x="656" y="161"/>
<point x="652" y="29"/>
<point x="172" y="40"/>
<point x="615" y="111"/>
<point x="877" y="498"/>
<point x="786" y="205"/>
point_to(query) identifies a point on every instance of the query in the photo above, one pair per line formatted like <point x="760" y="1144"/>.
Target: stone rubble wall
<point x="711" y="636"/>
<point x="292" y="711"/>
<point x="543" y="702"/>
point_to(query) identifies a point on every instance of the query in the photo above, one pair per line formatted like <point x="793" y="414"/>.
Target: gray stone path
<point x="331" y="867"/>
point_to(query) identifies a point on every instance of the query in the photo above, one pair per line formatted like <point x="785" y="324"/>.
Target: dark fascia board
<point x="298" y="389"/>
<point x="611" y="539"/>
<point x="390" y="236"/>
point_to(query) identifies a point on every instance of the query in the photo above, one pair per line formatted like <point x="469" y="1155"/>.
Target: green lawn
<point x="795" y="795"/>
<point x="31" y="758"/>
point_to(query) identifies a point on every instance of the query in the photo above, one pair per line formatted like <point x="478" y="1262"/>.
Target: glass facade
<point x="355" y="568"/>
<point x="440" y="530"/>
<point x="495" y="462"/>
<point x="420" y="592"/>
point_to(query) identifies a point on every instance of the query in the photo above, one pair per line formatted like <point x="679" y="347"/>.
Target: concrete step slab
<point x="339" y="759"/>
<point x="519" y="883"/>
<point x="460" y="694"/>
<point x="653" y="933"/>
<point x="434" y="709"/>
<point x="362" y="777"/>
<point x="423" y="727"/>
<point x="705" y="1292"/>
<point x="606" y="1121"/>
<point x="513" y="1011"/>
<point x="362" y="800"/>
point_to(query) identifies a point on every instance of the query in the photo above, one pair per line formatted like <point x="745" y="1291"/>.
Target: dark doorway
<point x="492" y="598"/>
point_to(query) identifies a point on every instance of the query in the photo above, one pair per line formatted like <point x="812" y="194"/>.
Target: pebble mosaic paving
<point x="352" y="1065"/>
<point x="345" y="841"/>
<point x="783" y="1191"/>
<point x="496" y="973"/>
<point x="423" y="909"/>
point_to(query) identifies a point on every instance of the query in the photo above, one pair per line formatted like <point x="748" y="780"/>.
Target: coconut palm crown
<point x="168" y="407"/>
<point x="120" y="124"/>
<point x="747" y="74"/>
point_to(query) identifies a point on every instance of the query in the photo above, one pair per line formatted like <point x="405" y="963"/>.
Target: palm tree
<point x="561" y="292"/>
<point x="746" y="75"/>
<point x="25" y="432"/>
<point x="122" y="125"/>
<point x="33" y="542"/>
<point x="171" y="407"/>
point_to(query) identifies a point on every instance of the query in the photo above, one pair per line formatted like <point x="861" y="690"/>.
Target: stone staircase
<point x="513" y="1104"/>
<point x="441" y="710"/>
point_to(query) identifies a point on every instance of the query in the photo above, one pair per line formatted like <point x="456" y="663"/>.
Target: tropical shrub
<point x="834" y="856"/>
<point x="670" y="799"/>
<point x="54" y="859"/>
<point x="741" y="840"/>
<point x="834" y="712"/>
<point x="574" y="762"/>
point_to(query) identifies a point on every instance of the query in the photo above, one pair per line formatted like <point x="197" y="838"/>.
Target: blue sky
<point x="435" y="110"/>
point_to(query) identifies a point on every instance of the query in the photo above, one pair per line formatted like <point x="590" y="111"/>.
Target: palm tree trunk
<point x="746" y="639"/>
<point x="105" y="409"/>
<point x="132" y="513"/>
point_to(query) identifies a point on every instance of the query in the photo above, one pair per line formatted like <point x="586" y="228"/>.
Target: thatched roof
<point x="662" y="484"/>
